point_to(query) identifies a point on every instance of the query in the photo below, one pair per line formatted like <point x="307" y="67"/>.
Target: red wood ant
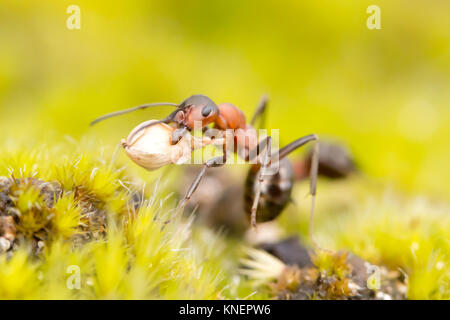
<point x="265" y="195"/>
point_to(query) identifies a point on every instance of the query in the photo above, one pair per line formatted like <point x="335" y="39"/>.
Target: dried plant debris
<point x="341" y="275"/>
<point x="33" y="211"/>
<point x="334" y="276"/>
<point x="5" y="200"/>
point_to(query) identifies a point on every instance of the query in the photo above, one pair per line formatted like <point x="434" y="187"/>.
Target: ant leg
<point x="177" y="134"/>
<point x="250" y="155"/>
<point x="260" y="111"/>
<point x="313" y="175"/>
<point x="260" y="179"/>
<point x="211" y="163"/>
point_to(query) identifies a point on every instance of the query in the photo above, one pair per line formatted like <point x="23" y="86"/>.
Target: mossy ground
<point x="70" y="207"/>
<point x="77" y="201"/>
<point x="90" y="219"/>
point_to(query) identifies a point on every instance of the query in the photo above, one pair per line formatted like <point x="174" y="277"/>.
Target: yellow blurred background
<point x="385" y="93"/>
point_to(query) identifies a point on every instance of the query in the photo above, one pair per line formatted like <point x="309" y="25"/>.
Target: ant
<point x="265" y="195"/>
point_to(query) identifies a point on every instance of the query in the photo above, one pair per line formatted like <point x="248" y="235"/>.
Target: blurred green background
<point x="385" y="93"/>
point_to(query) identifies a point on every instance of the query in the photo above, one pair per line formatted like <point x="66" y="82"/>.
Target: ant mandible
<point x="267" y="194"/>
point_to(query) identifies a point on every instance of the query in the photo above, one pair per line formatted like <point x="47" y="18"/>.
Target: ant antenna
<point x="144" y="106"/>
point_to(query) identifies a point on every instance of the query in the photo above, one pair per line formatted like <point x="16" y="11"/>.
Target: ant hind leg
<point x="260" y="112"/>
<point x="313" y="176"/>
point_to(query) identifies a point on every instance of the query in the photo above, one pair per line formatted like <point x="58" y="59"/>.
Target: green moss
<point x="85" y="216"/>
<point x="385" y="228"/>
<point x="90" y="210"/>
<point x="332" y="264"/>
<point x="67" y="216"/>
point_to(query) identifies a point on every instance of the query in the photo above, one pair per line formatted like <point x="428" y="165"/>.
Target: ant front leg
<point x="261" y="173"/>
<point x="313" y="175"/>
<point x="211" y="163"/>
<point x="177" y="134"/>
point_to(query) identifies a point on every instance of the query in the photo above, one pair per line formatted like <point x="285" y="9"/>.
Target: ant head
<point x="199" y="108"/>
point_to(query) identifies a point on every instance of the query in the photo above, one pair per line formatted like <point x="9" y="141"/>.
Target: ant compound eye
<point x="206" y="111"/>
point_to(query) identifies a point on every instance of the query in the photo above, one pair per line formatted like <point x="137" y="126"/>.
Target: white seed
<point x="151" y="147"/>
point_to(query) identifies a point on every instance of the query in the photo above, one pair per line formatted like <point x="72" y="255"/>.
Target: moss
<point x="86" y="218"/>
<point x="90" y="210"/>
<point x="332" y="264"/>
<point x="335" y="276"/>
<point x="385" y="227"/>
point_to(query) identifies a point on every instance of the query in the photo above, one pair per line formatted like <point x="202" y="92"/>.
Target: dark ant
<point x="266" y="195"/>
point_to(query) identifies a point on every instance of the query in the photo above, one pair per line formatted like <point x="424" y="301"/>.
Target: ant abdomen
<point x="275" y="191"/>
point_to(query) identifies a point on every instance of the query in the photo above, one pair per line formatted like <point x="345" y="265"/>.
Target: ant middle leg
<point x="267" y="143"/>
